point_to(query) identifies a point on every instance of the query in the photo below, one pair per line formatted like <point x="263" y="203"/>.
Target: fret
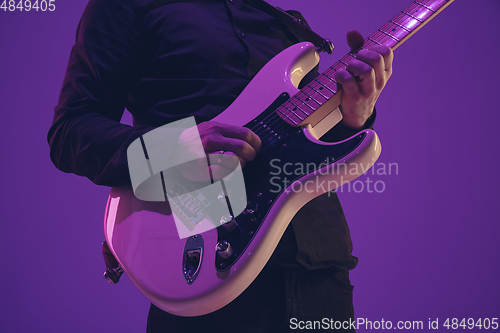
<point x="291" y="109"/>
<point x="326" y="82"/>
<point x="421" y="4"/>
<point x="406" y="21"/>
<point x="337" y="66"/>
<point x="314" y="94"/>
<point x="330" y="74"/>
<point x="390" y="35"/>
<point x="284" y="112"/>
<point x="383" y="39"/>
<point x="419" y="12"/>
<point x="395" y="30"/>
<point x="399" y="25"/>
<point x="372" y="41"/>
<point x="311" y="97"/>
<point x="290" y="115"/>
<point x="416" y="18"/>
<point x="347" y="58"/>
<point x="314" y="84"/>
<point x="368" y="43"/>
<point x="433" y="4"/>
<point x="297" y="105"/>
<point x="305" y="107"/>
<point x="306" y="100"/>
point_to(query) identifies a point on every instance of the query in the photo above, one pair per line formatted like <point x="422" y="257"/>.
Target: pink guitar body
<point x="187" y="276"/>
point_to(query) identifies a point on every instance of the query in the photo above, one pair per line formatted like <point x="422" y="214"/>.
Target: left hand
<point x="363" y="80"/>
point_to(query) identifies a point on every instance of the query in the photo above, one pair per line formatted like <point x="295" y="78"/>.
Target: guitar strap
<point x="296" y="23"/>
<point x="292" y="19"/>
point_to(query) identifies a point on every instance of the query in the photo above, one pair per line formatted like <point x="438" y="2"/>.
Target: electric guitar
<point x="204" y="272"/>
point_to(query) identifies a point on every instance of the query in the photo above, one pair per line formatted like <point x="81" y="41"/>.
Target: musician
<point x="171" y="59"/>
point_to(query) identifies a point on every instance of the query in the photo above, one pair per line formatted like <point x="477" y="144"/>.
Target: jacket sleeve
<point x="86" y="137"/>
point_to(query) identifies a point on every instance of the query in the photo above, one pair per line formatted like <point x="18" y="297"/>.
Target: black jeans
<point x="279" y="300"/>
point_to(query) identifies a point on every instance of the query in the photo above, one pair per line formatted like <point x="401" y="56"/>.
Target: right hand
<point x="240" y="145"/>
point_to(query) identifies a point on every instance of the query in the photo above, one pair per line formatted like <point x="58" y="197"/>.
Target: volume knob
<point x="224" y="249"/>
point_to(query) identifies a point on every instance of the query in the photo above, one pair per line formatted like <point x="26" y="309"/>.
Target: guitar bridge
<point x="189" y="208"/>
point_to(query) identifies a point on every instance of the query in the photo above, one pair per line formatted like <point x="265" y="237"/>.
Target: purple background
<point x="428" y="245"/>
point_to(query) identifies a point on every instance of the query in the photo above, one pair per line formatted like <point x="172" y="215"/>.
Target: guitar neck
<point x="299" y="109"/>
<point x="411" y="19"/>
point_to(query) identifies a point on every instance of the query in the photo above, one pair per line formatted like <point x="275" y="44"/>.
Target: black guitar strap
<point x="295" y="22"/>
<point x="292" y="19"/>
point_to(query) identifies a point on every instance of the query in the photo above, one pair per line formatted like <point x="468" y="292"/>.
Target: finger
<point x="348" y="82"/>
<point x="377" y="64"/>
<point x="242" y="133"/>
<point x="239" y="147"/>
<point x="387" y="56"/>
<point x="354" y="39"/>
<point x="364" y="75"/>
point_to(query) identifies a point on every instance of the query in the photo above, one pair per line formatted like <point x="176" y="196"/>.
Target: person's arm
<point x="86" y="137"/>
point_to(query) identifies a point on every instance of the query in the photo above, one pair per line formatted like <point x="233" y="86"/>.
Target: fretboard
<point x="392" y="34"/>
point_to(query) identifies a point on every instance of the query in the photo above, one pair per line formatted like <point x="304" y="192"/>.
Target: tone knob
<point x="224" y="249"/>
<point x="228" y="222"/>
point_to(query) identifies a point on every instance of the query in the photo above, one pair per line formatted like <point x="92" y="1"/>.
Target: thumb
<point x="354" y="40"/>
